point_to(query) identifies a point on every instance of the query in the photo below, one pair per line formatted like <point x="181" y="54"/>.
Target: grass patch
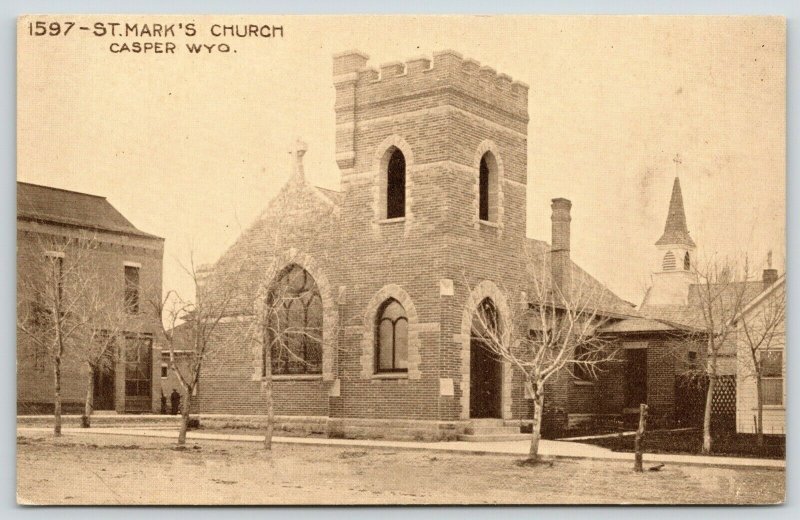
<point x="691" y="442"/>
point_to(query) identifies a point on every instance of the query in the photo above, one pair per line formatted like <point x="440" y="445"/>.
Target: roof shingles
<point x="71" y="208"/>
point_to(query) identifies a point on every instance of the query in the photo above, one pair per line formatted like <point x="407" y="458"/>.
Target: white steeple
<point x="673" y="271"/>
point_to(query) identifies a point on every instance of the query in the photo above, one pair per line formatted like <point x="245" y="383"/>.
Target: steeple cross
<point x="297" y="151"/>
<point x="298" y="148"/>
<point x="677" y="160"/>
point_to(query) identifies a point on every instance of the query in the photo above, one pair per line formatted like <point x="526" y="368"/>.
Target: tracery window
<point x="294" y="324"/>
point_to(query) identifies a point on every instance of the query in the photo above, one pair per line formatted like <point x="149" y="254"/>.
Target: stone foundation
<point x="300" y="424"/>
<point x="396" y="429"/>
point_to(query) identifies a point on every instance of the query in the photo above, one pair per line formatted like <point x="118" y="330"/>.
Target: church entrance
<point x="486" y="369"/>
<point x="104" y="386"/>
<point x="485" y="382"/>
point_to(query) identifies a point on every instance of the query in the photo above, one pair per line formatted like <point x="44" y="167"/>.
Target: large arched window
<point x="396" y="185"/>
<point x="687" y="262"/>
<point x="669" y="262"/>
<point x="392" y="338"/>
<point x="487" y="188"/>
<point x="294" y="324"/>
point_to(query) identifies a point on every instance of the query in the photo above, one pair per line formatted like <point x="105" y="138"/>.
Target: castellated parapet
<point x="421" y="83"/>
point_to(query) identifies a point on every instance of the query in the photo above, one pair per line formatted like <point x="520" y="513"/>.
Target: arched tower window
<point x="669" y="262"/>
<point x="396" y="185"/>
<point x="294" y="324"/>
<point x="687" y="262"/>
<point x="487" y="188"/>
<point x="392" y="338"/>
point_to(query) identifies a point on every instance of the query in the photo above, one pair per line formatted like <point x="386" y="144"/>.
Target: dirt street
<point x="96" y="469"/>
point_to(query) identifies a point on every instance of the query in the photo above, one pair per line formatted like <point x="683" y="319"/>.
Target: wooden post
<point x="637" y="465"/>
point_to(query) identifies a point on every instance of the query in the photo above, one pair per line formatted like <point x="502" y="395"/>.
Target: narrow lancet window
<point x="396" y="186"/>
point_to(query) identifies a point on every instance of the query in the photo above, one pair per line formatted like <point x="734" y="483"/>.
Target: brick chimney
<point x="560" y="265"/>
<point x="769" y="277"/>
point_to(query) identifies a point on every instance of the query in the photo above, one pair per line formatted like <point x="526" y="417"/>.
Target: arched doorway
<point x="486" y="369"/>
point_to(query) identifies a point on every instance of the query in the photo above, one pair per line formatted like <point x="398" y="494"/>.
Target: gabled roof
<point x="183" y="339"/>
<point x="675" y="230"/>
<point x="639" y="325"/>
<point x="332" y="195"/>
<point x="764" y="294"/>
<point x="745" y="291"/>
<point x="71" y="208"/>
<point x="691" y="314"/>
<point x="597" y="294"/>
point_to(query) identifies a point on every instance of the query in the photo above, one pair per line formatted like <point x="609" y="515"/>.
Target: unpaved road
<point x="97" y="469"/>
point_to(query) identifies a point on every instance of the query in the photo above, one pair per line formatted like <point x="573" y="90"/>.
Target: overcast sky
<point x="192" y="147"/>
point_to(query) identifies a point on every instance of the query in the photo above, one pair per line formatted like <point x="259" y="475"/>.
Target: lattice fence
<point x="723" y="405"/>
<point x="690" y="398"/>
<point x="724" y="402"/>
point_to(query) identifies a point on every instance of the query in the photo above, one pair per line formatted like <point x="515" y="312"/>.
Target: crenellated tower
<point x="433" y="160"/>
<point x="443" y="115"/>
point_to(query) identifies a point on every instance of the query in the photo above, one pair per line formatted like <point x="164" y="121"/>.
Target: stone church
<point x="388" y="272"/>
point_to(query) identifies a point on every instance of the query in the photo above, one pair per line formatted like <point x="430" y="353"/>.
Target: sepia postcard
<point x="400" y="260"/>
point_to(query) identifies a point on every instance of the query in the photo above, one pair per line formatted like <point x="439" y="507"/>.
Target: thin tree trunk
<point x="185" y="409"/>
<point x="59" y="351"/>
<point x="639" y="441"/>
<point x="267" y="384"/>
<point x="57" y="396"/>
<point x="712" y="380"/>
<point x="760" y="404"/>
<point x="89" y="404"/>
<point x="536" y="427"/>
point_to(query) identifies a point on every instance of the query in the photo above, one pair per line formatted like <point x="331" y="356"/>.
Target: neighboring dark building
<point x="129" y="262"/>
<point x="665" y="346"/>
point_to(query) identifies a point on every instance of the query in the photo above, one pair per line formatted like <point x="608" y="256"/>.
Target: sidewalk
<point x="547" y="448"/>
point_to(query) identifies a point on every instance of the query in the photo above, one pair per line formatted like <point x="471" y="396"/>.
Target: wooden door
<point x="636" y="377"/>
<point x="486" y="382"/>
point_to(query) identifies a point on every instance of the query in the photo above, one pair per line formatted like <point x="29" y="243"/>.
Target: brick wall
<point x="439" y="116"/>
<point x="667" y="360"/>
<point x="442" y="114"/>
<point x="442" y="117"/>
<point x="35" y="380"/>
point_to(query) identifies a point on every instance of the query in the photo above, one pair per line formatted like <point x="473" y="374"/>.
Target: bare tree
<point x="548" y="332"/>
<point x="105" y="316"/>
<point x="722" y="291"/>
<point x="55" y="284"/>
<point x="191" y="329"/>
<point x="290" y="332"/>
<point x="287" y="326"/>
<point x="761" y="330"/>
<point x="298" y="216"/>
